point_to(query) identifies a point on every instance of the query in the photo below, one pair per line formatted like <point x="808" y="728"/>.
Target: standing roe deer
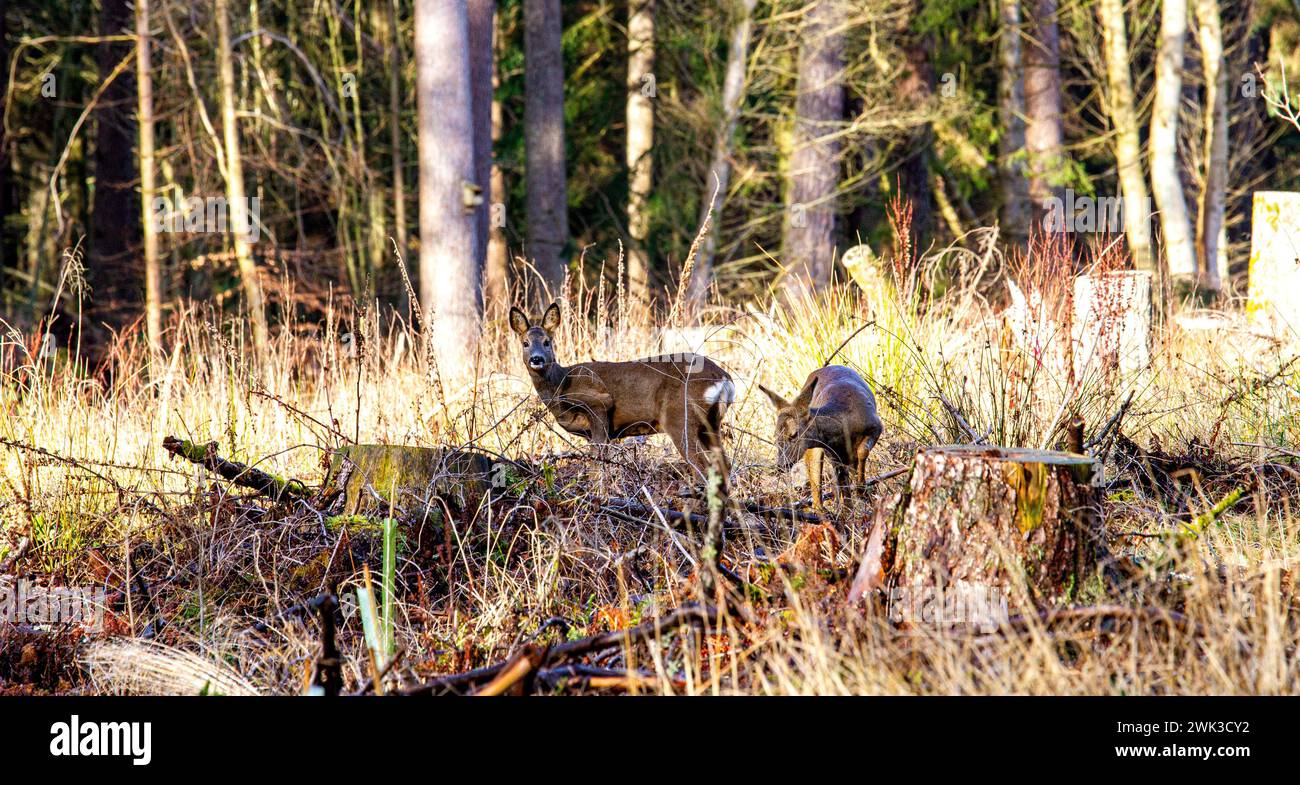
<point x="682" y="395"/>
<point x="834" y="413"/>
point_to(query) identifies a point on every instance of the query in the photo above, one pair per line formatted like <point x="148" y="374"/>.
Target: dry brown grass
<point x="102" y="501"/>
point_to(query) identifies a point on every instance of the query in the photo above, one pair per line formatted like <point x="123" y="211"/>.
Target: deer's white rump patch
<point x="720" y="392"/>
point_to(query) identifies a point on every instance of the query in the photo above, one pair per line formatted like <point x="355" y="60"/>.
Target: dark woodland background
<point x="922" y="103"/>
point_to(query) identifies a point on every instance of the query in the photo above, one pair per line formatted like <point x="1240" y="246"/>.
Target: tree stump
<point x="369" y="474"/>
<point x="1112" y="323"/>
<point x="1002" y="523"/>
<point x="1274" y="294"/>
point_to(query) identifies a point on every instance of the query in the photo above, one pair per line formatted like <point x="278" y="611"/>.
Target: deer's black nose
<point x="536" y="361"/>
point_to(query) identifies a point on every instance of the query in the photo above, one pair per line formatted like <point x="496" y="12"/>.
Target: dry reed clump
<point x="573" y="543"/>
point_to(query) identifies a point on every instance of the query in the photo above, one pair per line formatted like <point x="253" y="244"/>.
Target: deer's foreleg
<point x="599" y="426"/>
<point x="860" y="461"/>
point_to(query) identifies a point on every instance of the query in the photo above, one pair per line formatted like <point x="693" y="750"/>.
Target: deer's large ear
<point x="518" y="321"/>
<point x="551" y="319"/>
<point x="804" y="398"/>
<point x="777" y="401"/>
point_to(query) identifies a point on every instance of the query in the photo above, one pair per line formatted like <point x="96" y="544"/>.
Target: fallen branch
<point x="781" y="513"/>
<point x="619" y="505"/>
<point x="692" y="615"/>
<point x="597" y="678"/>
<point x="651" y="630"/>
<point x="240" y="474"/>
<point x="956" y="415"/>
<point x="1111" y="424"/>
<point x="1207" y="519"/>
<point x="515" y="670"/>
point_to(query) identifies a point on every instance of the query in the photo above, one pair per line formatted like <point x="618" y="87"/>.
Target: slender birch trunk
<point x="1210" y="220"/>
<point x="144" y="95"/>
<point x="640" y="143"/>
<point x="715" y="193"/>
<point x="395" y="139"/>
<point x="498" y="258"/>
<point x="1128" y="146"/>
<point x="237" y="209"/>
<point x="1166" y="182"/>
<point x="482" y="14"/>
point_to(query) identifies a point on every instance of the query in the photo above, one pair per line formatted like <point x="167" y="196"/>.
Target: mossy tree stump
<point x="372" y="476"/>
<point x="1016" y="522"/>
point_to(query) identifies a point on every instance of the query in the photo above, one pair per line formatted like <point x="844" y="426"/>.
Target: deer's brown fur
<point x="683" y="395"/>
<point x="834" y="416"/>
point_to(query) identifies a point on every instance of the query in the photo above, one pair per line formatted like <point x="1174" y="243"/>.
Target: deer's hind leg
<point x="673" y="422"/>
<point x="709" y="437"/>
<point x="863" y="450"/>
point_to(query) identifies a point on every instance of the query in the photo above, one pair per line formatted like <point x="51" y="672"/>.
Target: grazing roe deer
<point x="682" y="395"/>
<point x="835" y="414"/>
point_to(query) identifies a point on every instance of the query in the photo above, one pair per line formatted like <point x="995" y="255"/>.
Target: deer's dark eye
<point x="547" y="343"/>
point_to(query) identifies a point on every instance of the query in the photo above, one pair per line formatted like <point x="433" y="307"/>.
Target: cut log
<point x="1274" y="306"/>
<point x="1112" y="323"/>
<point x="998" y="523"/>
<point x="866" y="269"/>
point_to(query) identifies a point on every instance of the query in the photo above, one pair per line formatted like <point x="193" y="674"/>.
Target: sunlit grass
<point x="100" y="477"/>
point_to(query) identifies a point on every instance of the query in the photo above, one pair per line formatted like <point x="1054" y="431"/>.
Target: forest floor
<point x="215" y="588"/>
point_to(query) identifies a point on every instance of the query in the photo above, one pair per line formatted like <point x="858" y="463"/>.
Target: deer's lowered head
<point x="834" y="414"/>
<point x="793" y="421"/>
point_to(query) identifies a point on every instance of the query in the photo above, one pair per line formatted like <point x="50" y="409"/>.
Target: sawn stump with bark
<point x="1019" y="522"/>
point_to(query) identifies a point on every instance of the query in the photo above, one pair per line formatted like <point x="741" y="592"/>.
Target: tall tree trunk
<point x="450" y="293"/>
<point x="5" y="203"/>
<point x="733" y="93"/>
<point x="495" y="289"/>
<point x="237" y="209"/>
<point x="144" y="93"/>
<point x="640" y="143"/>
<point x="1210" y="221"/>
<point x="482" y="16"/>
<point x="917" y="89"/>
<point x="1166" y="181"/>
<point x="1043" y="105"/>
<point x="1011" y="115"/>
<point x="115" y="283"/>
<point x="814" y="170"/>
<point x="1128" y="145"/>
<point x="546" y="197"/>
<point x="395" y="141"/>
